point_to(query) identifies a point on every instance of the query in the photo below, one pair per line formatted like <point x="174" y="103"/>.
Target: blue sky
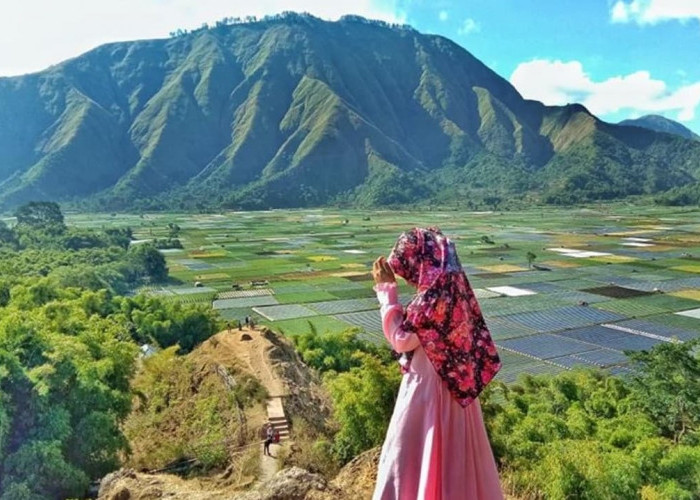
<point x="620" y="58"/>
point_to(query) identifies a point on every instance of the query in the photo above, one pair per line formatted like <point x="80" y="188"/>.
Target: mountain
<point x="295" y="111"/>
<point x="661" y="124"/>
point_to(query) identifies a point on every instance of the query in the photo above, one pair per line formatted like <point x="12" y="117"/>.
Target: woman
<point x="436" y="446"/>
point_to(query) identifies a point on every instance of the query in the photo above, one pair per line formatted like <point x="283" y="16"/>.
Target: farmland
<point x="559" y="288"/>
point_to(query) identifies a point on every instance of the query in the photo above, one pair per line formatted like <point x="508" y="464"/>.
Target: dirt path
<point x="251" y="347"/>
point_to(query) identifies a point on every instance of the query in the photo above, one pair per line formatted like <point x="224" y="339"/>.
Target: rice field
<point x="605" y="279"/>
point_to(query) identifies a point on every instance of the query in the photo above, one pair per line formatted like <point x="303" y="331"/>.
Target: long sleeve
<point x="392" y="314"/>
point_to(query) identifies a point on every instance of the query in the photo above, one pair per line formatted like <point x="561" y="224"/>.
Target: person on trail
<point x="228" y="325"/>
<point x="240" y="326"/>
<point x="269" y="435"/>
<point x="247" y="321"/>
<point x="436" y="446"/>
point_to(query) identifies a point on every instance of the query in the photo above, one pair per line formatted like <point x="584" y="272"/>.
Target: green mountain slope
<point x="661" y="124"/>
<point x="293" y="111"/>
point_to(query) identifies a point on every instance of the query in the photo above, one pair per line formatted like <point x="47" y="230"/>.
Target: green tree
<point x="64" y="388"/>
<point x="7" y="236"/>
<point x="667" y="388"/>
<point x="43" y="215"/>
<point x="530" y="259"/>
<point x="149" y="261"/>
<point x="364" y="399"/>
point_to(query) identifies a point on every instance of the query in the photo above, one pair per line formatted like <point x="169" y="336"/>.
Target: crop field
<point x="603" y="280"/>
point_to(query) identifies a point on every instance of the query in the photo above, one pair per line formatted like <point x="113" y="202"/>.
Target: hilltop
<point x="296" y="111"/>
<point x="217" y="366"/>
<point x="661" y="124"/>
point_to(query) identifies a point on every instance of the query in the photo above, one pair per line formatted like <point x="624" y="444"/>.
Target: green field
<point x="610" y="279"/>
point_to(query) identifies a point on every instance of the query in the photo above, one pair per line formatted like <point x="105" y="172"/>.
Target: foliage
<point x="362" y="379"/>
<point x="165" y="324"/>
<point x="584" y="434"/>
<point x="68" y="349"/>
<point x="312" y="451"/>
<point x="667" y="388"/>
<point x="682" y="195"/>
<point x="41" y="215"/>
<point x="64" y="385"/>
<point x="148" y="262"/>
<point x="74" y="258"/>
<point x="338" y="352"/>
<point x="363" y="400"/>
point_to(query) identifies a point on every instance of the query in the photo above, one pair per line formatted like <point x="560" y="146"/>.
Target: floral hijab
<point x="445" y="314"/>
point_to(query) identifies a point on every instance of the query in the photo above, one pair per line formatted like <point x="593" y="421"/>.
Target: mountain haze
<point x="294" y="111"/>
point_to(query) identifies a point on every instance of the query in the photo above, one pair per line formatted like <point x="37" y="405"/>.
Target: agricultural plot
<point x="288" y="311"/>
<point x="546" y="346"/>
<point x="563" y="318"/>
<point x="603" y="280"/>
<point x="264" y="300"/>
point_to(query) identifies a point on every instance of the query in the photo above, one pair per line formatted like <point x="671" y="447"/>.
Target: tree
<point x="7" y="235"/>
<point x="64" y="390"/>
<point x="173" y="230"/>
<point x="43" y="215"/>
<point x="667" y="388"/>
<point x="530" y="259"/>
<point x="364" y="400"/>
<point x="149" y="261"/>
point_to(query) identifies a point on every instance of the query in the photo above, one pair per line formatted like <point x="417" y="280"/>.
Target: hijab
<point x="444" y="314"/>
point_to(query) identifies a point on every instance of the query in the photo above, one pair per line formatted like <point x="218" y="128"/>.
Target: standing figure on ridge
<point x="269" y="436"/>
<point x="436" y="447"/>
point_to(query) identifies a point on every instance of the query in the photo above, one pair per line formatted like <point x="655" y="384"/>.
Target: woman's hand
<point x="381" y="272"/>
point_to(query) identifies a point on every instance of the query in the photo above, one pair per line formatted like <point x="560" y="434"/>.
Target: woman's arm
<point x="392" y="315"/>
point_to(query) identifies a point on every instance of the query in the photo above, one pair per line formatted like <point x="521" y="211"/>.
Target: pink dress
<point x="434" y="448"/>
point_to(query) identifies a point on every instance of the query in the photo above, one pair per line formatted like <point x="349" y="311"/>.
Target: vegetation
<point x="682" y="195"/>
<point x="661" y="124"/>
<point x="68" y="347"/>
<point x="580" y="434"/>
<point x="183" y="413"/>
<point x="584" y="434"/>
<point x="326" y="122"/>
<point x="363" y="383"/>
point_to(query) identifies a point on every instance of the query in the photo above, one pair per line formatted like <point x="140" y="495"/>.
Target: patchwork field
<point x="603" y="280"/>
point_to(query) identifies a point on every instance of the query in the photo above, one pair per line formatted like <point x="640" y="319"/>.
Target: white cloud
<point x="469" y="26"/>
<point x="443" y="15"/>
<point x="37" y="33"/>
<point x="654" y="11"/>
<point x="558" y="83"/>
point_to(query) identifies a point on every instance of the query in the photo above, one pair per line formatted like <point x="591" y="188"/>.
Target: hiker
<point x="269" y="435"/>
<point x="228" y="325"/>
<point x="247" y="321"/>
<point x="240" y="326"/>
<point x="436" y="446"/>
<point x="252" y="324"/>
<point x="277" y="437"/>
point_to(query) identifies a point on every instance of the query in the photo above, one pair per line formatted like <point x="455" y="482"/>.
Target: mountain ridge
<point x="296" y="111"/>
<point x="660" y="123"/>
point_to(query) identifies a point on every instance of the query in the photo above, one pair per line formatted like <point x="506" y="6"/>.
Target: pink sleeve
<point x="392" y="315"/>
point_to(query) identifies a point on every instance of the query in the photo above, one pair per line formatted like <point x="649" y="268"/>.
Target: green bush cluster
<point x="585" y="434"/>
<point x="68" y="349"/>
<point x="363" y="382"/>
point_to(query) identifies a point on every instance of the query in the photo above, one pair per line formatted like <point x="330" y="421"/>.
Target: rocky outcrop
<point x="293" y="484"/>
<point x="288" y="484"/>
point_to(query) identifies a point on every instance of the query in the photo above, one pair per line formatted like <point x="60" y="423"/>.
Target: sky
<point x="619" y="58"/>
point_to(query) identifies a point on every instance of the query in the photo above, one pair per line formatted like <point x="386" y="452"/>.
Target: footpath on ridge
<point x="251" y="347"/>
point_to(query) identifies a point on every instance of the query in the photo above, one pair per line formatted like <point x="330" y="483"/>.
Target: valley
<point x="602" y="280"/>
